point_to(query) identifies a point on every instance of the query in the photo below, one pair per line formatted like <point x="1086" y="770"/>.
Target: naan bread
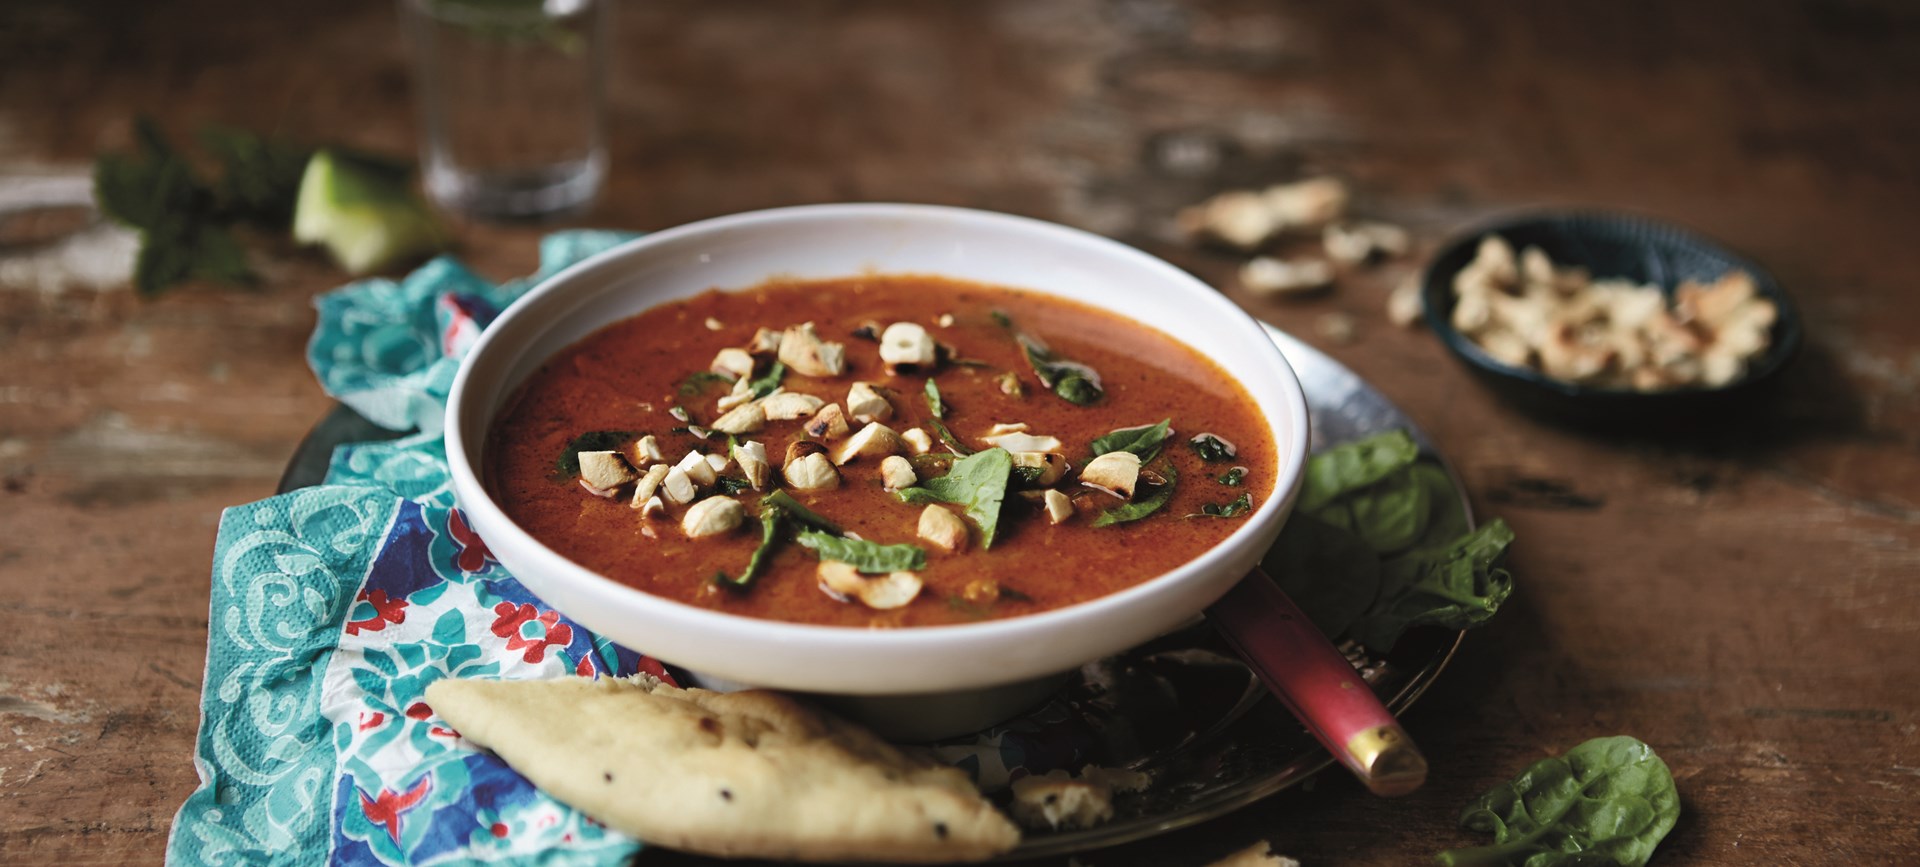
<point x="744" y="774"/>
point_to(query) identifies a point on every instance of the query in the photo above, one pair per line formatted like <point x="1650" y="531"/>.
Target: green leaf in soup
<point x="697" y="383"/>
<point x="934" y="404"/>
<point x="1355" y="465"/>
<point x="946" y="436"/>
<point x="1234" y="477"/>
<point x="1606" y="803"/>
<point x="591" y="441"/>
<point x="773" y="517"/>
<point x="1074" y="382"/>
<point x="1456" y="586"/>
<point x="1239" y="507"/>
<point x="1327" y="571"/>
<point x="869" y="557"/>
<point x="1144" y="440"/>
<point x="800" y="514"/>
<point x="1141" y="508"/>
<point x="976" y="483"/>
<point x="730" y="486"/>
<point x="1210" y="447"/>
<point x="1390" y="515"/>
<point x="768" y="381"/>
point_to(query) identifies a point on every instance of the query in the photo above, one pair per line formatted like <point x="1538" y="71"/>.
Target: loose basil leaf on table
<point x="1447" y="514"/>
<point x="1606" y="803"/>
<point x="1390" y="515"/>
<point x="1144" y="440"/>
<point x="591" y="441"/>
<point x="1327" y="571"/>
<point x="977" y="483"/>
<point x="1138" y="509"/>
<point x="1355" y="465"/>
<point x="869" y="557"/>
<point x="1457" y="586"/>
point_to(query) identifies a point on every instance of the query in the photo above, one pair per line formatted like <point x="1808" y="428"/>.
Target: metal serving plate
<point x="1181" y="708"/>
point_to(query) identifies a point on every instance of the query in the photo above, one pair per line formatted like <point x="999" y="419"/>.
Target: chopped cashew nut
<point x="1047" y="467"/>
<point x="907" y="345"/>
<point x="803" y="351"/>
<point x="719" y="462"/>
<point x="1266" y="275"/>
<point x="1238" y="218"/>
<point x="790" y="405"/>
<point x="712" y="517"/>
<point x="679" y="489"/>
<point x="1059" y="507"/>
<point x="715" y="324"/>
<point x="942" y="529"/>
<point x="697" y="469"/>
<point x="742" y="393"/>
<point x="880" y="592"/>
<point x="1405" y="306"/>
<point x="653" y="508"/>
<point x="830" y="423"/>
<point x="649" y="484"/>
<point x="812" y="473"/>
<point x="1118" y="472"/>
<point x="945" y="320"/>
<point x="1003" y="429"/>
<point x="733" y="362"/>
<point x="981" y="591"/>
<point x="897" y="472"/>
<point x="1307" y="204"/>
<point x="873" y="441"/>
<point x="745" y="418"/>
<point x="866" y="404"/>
<point x="1357" y="243"/>
<point x="1021" y="442"/>
<point x="646" y="450"/>
<point x="598" y="492"/>
<point x="918" y="440"/>
<point x="765" y="341"/>
<point x="752" y="458"/>
<point x="605" y="470"/>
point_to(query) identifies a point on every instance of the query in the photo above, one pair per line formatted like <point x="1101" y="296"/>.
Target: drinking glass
<point x="511" y="103"/>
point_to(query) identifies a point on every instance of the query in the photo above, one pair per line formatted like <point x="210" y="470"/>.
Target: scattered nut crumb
<point x="1357" y="243"/>
<point x="714" y="324"/>
<point x="1405" y="306"/>
<point x="1265" y="275"/>
<point x="1338" y="328"/>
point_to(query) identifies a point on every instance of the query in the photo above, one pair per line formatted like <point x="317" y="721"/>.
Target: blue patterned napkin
<point x="334" y="606"/>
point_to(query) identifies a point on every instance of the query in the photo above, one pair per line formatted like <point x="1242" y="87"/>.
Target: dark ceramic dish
<point x="1609" y="245"/>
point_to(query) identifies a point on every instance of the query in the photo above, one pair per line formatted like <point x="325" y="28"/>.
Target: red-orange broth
<point x="629" y="375"/>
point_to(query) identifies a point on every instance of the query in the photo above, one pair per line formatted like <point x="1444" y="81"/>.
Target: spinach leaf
<point x="1212" y="448"/>
<point x="1138" y="509"/>
<point x="591" y="441"/>
<point x="946" y="436"/>
<point x="1232" y="478"/>
<point x="1447" y="514"/>
<point x="1355" y="465"/>
<point x="768" y="381"/>
<point x="696" y="383"/>
<point x="772" y="517"/>
<point x="934" y="404"/>
<point x="1327" y="571"/>
<point x="869" y="557"/>
<point x="1456" y="586"/>
<point x="1608" y="801"/>
<point x="1234" y="509"/>
<point x="799" y="513"/>
<point x="1390" y="516"/>
<point x="1074" y="382"/>
<point x="1144" y="440"/>
<point x="977" y="483"/>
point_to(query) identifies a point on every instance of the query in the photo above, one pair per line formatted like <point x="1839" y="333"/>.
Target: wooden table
<point x="1744" y="599"/>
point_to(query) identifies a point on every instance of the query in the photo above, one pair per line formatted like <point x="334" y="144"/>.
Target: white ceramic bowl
<point x="822" y="241"/>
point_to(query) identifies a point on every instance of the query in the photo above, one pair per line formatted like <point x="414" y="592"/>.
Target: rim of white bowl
<point x="474" y="498"/>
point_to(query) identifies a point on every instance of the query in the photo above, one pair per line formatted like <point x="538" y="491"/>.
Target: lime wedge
<point x="363" y="211"/>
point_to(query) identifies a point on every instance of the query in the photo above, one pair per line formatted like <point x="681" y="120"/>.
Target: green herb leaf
<point x="977" y="483"/>
<point x="591" y="441"/>
<point x="183" y="233"/>
<point x="1447" y="513"/>
<point x="697" y="383"/>
<point x="730" y="486"/>
<point x="1074" y="382"/>
<point x="946" y="436"/>
<point x="934" y="404"/>
<point x="1609" y="801"/>
<point x="1235" y="509"/>
<point x="1456" y="586"/>
<point x="1327" y="571"/>
<point x="1212" y="448"/>
<point x="800" y="513"/>
<point x="769" y="381"/>
<point x="1355" y="465"/>
<point x="870" y="557"/>
<point x="260" y="176"/>
<point x="1001" y="317"/>
<point x="1138" y="509"/>
<point x="1144" y="440"/>
<point x="1390" y="515"/>
<point x="772" y="517"/>
<point x="1232" y="478"/>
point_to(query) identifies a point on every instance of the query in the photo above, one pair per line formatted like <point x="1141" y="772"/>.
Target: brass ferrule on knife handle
<point x="1311" y="677"/>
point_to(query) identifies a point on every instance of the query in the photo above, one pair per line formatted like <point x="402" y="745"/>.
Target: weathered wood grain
<point x="1745" y="598"/>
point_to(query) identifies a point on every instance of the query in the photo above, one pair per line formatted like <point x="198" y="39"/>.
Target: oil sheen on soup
<point x="879" y="451"/>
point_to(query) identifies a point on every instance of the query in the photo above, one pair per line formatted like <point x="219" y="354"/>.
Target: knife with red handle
<point x="1310" y="676"/>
